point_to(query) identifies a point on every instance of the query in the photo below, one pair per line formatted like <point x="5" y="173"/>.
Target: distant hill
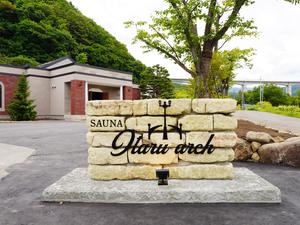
<point x="38" y="31"/>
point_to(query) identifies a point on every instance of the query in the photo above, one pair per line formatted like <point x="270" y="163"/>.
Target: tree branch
<point x="177" y="61"/>
<point x="210" y="15"/>
<point x="168" y="43"/>
<point x="237" y="7"/>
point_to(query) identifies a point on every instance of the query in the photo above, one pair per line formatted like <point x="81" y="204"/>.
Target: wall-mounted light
<point x="53" y="87"/>
<point x="162" y="175"/>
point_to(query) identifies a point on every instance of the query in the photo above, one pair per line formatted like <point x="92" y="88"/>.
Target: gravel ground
<point x="60" y="147"/>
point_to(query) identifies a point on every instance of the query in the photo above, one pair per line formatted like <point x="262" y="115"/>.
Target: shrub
<point x="21" y="108"/>
<point x="264" y="105"/>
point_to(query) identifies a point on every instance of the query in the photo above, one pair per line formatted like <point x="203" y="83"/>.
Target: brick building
<point x="61" y="88"/>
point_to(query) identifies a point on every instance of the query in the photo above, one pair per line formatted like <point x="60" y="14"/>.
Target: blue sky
<point x="277" y="47"/>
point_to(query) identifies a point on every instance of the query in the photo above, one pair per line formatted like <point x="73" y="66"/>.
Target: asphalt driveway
<point x="60" y="147"/>
<point x="271" y="120"/>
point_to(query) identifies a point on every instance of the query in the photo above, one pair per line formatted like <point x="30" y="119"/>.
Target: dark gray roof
<point x="48" y="64"/>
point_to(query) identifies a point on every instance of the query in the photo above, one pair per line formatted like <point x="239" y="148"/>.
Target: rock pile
<point x="123" y="134"/>
<point x="261" y="147"/>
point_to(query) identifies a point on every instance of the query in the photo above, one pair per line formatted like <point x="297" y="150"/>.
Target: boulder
<point x="255" y="157"/>
<point x="293" y="139"/>
<point x="287" y="153"/>
<point x="255" y="146"/>
<point x="261" y="137"/>
<point x="277" y="139"/>
<point x="242" y="150"/>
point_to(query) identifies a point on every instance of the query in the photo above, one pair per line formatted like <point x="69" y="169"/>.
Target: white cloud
<point x="277" y="48"/>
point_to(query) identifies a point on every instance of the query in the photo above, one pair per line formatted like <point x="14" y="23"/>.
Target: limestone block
<point x="106" y="123"/>
<point x="105" y="139"/>
<point x="123" y="172"/>
<point x="157" y="138"/>
<point x="155" y="159"/>
<point x="141" y="123"/>
<point x="140" y="107"/>
<point x="109" y="108"/>
<point x="102" y="108"/>
<point x="219" y="155"/>
<point x="222" y="122"/>
<point x="214" y="105"/>
<point x="125" y="107"/>
<point x="90" y="137"/>
<point x="178" y="106"/>
<point x="196" y="122"/>
<point x="221" y="105"/>
<point x="220" y="140"/>
<point x="199" y="105"/>
<point x="200" y="171"/>
<point x="102" y="156"/>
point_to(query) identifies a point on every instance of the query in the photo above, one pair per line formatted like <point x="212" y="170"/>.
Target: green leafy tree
<point x="223" y="67"/>
<point x="21" y="108"/>
<point x="156" y="83"/>
<point x="271" y="93"/>
<point x="81" y="58"/>
<point x="175" y="33"/>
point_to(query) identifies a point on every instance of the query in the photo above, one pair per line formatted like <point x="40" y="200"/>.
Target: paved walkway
<point x="61" y="147"/>
<point x="10" y="155"/>
<point x="277" y="122"/>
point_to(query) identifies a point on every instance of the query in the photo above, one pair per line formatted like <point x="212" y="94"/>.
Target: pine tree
<point x="21" y="108"/>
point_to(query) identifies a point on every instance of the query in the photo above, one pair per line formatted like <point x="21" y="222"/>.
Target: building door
<point x="95" y="96"/>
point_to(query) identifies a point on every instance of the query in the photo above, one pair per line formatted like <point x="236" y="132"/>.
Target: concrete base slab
<point x="246" y="187"/>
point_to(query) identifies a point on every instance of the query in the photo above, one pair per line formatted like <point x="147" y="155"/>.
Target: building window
<point x="1" y="96"/>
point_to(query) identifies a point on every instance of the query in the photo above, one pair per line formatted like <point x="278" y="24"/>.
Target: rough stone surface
<point x="102" y="108"/>
<point x="154" y="159"/>
<point x="255" y="157"/>
<point x="122" y="172"/>
<point x="246" y="187"/>
<point x="255" y="146"/>
<point x="199" y="105"/>
<point x="260" y="137"/>
<point x="293" y="139"/>
<point x="242" y="150"/>
<point x="220" y="140"/>
<point x="140" y="107"/>
<point x="125" y="107"/>
<point x="102" y="156"/>
<point x="141" y="123"/>
<point x="109" y="108"/>
<point x="222" y="122"/>
<point x="185" y="170"/>
<point x="214" y="105"/>
<point x="157" y="138"/>
<point x="105" y="139"/>
<point x="221" y="105"/>
<point x="178" y="107"/>
<point x="196" y="122"/>
<point x="277" y="139"/>
<point x="219" y="155"/>
<point x="106" y="123"/>
<point x="287" y="153"/>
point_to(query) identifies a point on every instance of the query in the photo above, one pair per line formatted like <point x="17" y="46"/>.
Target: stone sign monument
<point x="192" y="139"/>
<point x="132" y="144"/>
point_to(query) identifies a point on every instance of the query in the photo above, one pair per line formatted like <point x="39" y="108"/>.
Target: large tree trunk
<point x="205" y="61"/>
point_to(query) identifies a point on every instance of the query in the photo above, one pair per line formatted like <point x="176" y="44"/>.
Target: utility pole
<point x="261" y="92"/>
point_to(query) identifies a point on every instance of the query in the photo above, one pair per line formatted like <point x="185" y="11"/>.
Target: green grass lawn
<point x="291" y="111"/>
